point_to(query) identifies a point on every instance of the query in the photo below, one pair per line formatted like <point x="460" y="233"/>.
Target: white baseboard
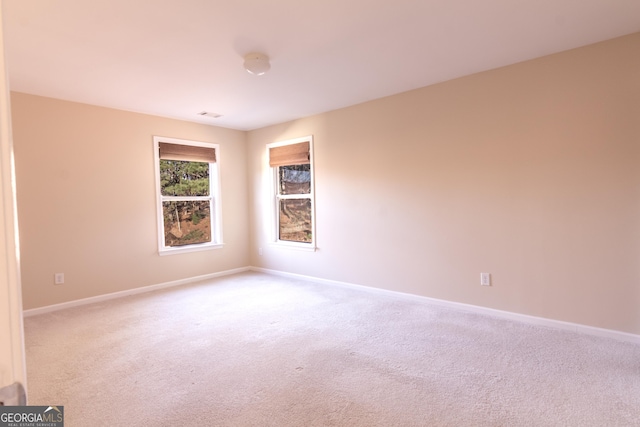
<point x="539" y="321"/>
<point x="106" y="297"/>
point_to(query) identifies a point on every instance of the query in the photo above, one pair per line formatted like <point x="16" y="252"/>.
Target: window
<point x="292" y="167"/>
<point x="188" y="195"/>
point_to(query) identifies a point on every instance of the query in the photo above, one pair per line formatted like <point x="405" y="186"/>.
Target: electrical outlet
<point x="485" y="279"/>
<point x="58" y="278"/>
<point x="260" y="251"/>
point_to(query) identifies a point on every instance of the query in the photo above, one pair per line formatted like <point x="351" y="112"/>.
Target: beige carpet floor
<point x="258" y="350"/>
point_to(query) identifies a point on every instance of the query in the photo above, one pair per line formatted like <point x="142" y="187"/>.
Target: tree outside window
<point x="188" y="195"/>
<point x="292" y="166"/>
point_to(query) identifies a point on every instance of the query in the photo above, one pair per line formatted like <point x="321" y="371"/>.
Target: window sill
<point x="307" y="247"/>
<point x="190" y="248"/>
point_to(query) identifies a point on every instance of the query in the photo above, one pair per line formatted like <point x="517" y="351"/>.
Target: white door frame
<point x="12" y="360"/>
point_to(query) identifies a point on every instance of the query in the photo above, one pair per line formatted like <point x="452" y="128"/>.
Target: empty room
<point x="424" y="213"/>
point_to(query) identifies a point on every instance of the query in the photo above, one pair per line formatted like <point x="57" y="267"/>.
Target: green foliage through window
<point x="179" y="178"/>
<point x="183" y="220"/>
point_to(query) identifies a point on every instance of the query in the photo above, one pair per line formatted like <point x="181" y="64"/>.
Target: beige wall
<point x="530" y="172"/>
<point x="86" y="200"/>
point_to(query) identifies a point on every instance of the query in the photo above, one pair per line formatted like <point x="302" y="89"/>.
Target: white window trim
<point x="274" y="199"/>
<point x="214" y="192"/>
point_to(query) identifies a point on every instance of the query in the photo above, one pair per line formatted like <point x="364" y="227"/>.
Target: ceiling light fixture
<point x="256" y="63"/>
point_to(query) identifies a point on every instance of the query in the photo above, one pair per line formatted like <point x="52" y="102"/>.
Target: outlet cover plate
<point x="485" y="279"/>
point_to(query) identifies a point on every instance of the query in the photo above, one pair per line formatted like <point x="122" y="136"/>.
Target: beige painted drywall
<point x="529" y="172"/>
<point x="86" y="200"/>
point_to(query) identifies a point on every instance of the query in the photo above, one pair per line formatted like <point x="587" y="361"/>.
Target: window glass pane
<point x="186" y="223"/>
<point x="295" y="179"/>
<point x="295" y="220"/>
<point x="178" y="178"/>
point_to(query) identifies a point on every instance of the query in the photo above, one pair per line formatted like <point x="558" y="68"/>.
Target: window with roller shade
<point x="188" y="195"/>
<point x="292" y="167"/>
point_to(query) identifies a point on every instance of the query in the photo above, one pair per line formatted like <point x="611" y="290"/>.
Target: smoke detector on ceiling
<point x="256" y="63"/>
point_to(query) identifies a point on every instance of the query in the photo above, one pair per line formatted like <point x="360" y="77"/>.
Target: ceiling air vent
<point x="208" y="114"/>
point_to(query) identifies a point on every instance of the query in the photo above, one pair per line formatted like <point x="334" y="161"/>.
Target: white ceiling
<point x="175" y="58"/>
